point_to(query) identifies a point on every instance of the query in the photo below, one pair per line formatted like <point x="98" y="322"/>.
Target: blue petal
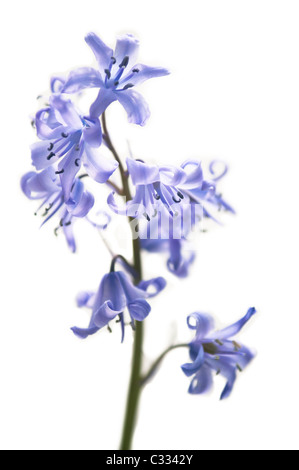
<point x="40" y="153"/>
<point x="194" y="177"/>
<point x="47" y="125"/>
<point x="141" y="173"/>
<point x="57" y="84"/>
<point x="204" y="324"/>
<point x="98" y="167"/>
<point x="93" y="134"/>
<point x="202" y="381"/>
<point x="85" y="299"/>
<point x="126" y="46"/>
<point x="103" y="100"/>
<point x="103" y="53"/>
<point x="177" y="263"/>
<point x="132" y="292"/>
<point x="145" y="73"/>
<point x="40" y="185"/>
<point x="110" y="300"/>
<point x="69" y="235"/>
<point x="235" y="328"/>
<point x="158" y="284"/>
<point x="83" y="333"/>
<point x="227" y="369"/>
<point x="114" y="206"/>
<point x="67" y="111"/>
<point x="80" y="202"/>
<point x="70" y="167"/>
<point x="139" y="309"/>
<point x="82" y="78"/>
<point x="135" y="106"/>
<point x="191" y="368"/>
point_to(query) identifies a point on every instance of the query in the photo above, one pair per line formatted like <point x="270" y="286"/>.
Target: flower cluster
<point x="166" y="203"/>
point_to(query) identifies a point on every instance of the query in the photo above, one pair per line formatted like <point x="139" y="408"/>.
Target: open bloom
<point x="159" y="188"/>
<point x="116" y="77"/>
<point x="116" y="294"/>
<point x="46" y="186"/>
<point x="215" y="352"/>
<point x="72" y="140"/>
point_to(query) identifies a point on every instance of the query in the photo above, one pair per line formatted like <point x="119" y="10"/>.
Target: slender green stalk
<point x="135" y="381"/>
<point x="157" y="363"/>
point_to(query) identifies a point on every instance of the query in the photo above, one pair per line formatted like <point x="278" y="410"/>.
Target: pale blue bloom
<point x="116" y="77"/>
<point x="215" y="351"/>
<point x="116" y="294"/>
<point x="71" y="140"/>
<point x="46" y="187"/>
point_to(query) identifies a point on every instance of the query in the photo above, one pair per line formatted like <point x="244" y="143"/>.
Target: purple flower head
<point x="71" y="140"/>
<point x="116" y="294"/>
<point x="116" y="77"/>
<point x="215" y="352"/>
<point x="160" y="189"/>
<point x="46" y="186"/>
<point x="181" y="257"/>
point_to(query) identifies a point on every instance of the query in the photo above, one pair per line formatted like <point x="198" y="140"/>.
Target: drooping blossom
<point x="215" y="351"/>
<point x="71" y="140"/>
<point x="116" y="294"/>
<point x="159" y="188"/>
<point x="116" y="77"/>
<point x="46" y="187"/>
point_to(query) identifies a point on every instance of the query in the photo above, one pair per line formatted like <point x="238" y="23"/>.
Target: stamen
<point x="135" y="70"/>
<point x="157" y="197"/>
<point x="239" y="368"/>
<point x="218" y="372"/>
<point x="77" y="148"/>
<point x="33" y="124"/>
<point x="64" y="135"/>
<point x="147" y="217"/>
<point x="177" y="201"/>
<point x="67" y="224"/>
<point x="59" y="172"/>
<point x="108" y="73"/>
<point x="51" y="147"/>
<point x="77" y="162"/>
<point x="52" y="154"/>
<point x="181" y="195"/>
<point x="129" y="85"/>
<point x="56" y="231"/>
<point x="219" y="342"/>
<point x="116" y="83"/>
<point x="237" y="346"/>
<point x="109" y="329"/>
<point x="113" y="60"/>
<point x="125" y="62"/>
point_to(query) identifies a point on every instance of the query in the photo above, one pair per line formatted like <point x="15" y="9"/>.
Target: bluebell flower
<point x="181" y="256"/>
<point x="116" y="77"/>
<point x="163" y="188"/>
<point x="46" y="187"/>
<point x="215" y="352"/>
<point x="115" y="295"/>
<point x="72" y="140"/>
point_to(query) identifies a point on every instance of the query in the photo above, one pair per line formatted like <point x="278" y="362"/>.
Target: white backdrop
<point x="233" y="94"/>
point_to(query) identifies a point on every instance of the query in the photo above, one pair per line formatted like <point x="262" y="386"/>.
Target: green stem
<point x="135" y="381"/>
<point x="156" y="364"/>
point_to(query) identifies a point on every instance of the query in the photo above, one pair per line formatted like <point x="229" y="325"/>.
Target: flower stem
<point x="135" y="380"/>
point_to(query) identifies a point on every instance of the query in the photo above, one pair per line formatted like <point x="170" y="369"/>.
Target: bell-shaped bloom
<point x="72" y="141"/>
<point x="116" y="294"/>
<point x="117" y="76"/>
<point x="181" y="256"/>
<point x="215" y="351"/>
<point x="160" y="188"/>
<point x="46" y="187"/>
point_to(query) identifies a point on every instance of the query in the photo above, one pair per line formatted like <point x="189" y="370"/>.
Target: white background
<point x="233" y="94"/>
